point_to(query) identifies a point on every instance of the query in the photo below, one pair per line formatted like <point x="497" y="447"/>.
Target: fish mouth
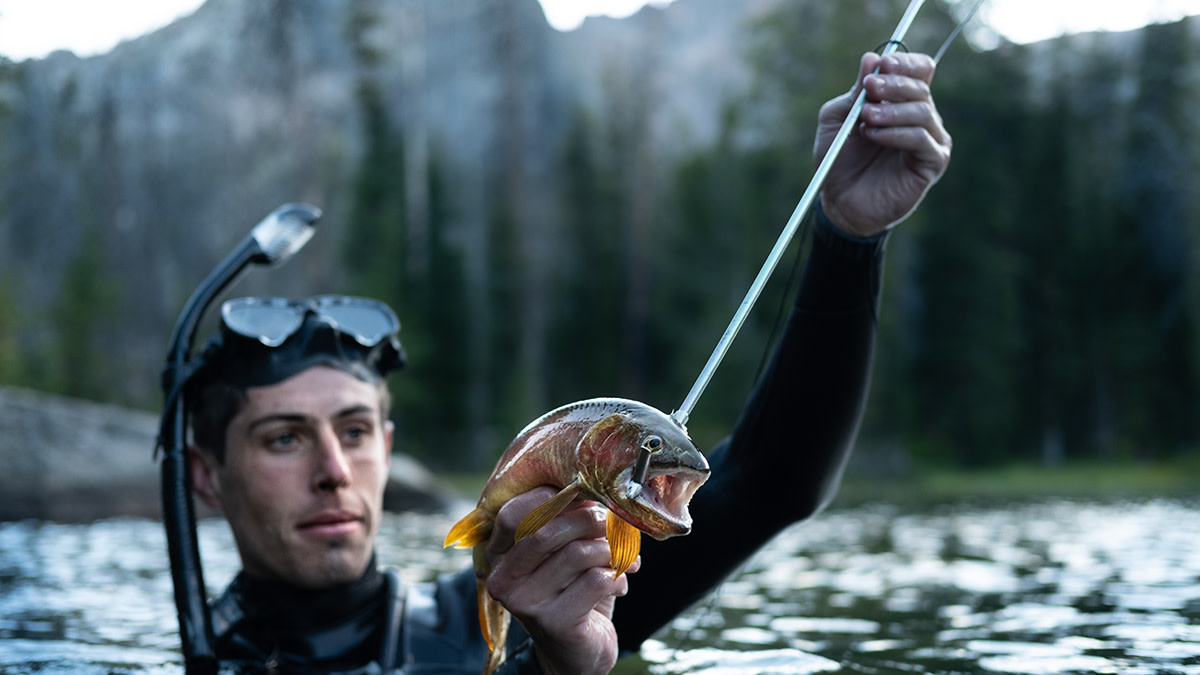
<point x="660" y="507"/>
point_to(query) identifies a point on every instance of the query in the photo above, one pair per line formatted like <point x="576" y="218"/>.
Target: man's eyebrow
<point x="301" y="418"/>
<point x="279" y="417"/>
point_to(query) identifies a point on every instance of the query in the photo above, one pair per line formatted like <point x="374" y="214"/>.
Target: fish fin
<point x="624" y="543"/>
<point x="493" y="622"/>
<point x="473" y="529"/>
<point x="543" y="514"/>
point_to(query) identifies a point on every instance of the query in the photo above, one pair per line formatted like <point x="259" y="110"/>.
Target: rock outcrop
<point x="65" y="459"/>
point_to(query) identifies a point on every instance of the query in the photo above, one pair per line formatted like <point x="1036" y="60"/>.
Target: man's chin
<point x="336" y="566"/>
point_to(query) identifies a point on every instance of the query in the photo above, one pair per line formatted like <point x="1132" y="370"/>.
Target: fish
<point x="627" y="455"/>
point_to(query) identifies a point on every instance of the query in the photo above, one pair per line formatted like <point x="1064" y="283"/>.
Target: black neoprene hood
<point x="246" y="362"/>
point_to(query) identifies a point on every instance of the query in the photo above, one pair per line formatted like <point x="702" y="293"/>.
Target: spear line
<point x="937" y="58"/>
<point x="681" y="415"/>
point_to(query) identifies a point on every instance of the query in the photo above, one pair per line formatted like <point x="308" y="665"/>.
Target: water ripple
<point x="1048" y="587"/>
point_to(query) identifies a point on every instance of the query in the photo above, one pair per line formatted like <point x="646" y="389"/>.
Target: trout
<point x="630" y="457"/>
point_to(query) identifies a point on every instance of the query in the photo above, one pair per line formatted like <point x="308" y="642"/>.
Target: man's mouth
<point x="330" y="524"/>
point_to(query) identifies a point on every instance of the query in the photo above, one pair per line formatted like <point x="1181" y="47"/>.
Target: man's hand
<point x="898" y="152"/>
<point x="558" y="584"/>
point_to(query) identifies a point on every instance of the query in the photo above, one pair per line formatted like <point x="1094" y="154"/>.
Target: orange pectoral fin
<point x="624" y="543"/>
<point x="543" y="514"/>
<point x="473" y="529"/>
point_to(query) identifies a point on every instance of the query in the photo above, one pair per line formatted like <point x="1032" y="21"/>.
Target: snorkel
<point x="271" y="243"/>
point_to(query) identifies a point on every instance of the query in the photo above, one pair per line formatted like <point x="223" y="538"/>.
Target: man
<point x="292" y="443"/>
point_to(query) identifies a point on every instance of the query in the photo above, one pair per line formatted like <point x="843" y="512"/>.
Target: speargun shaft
<point x="681" y="415"/>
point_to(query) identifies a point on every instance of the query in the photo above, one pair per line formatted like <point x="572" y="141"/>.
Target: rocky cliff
<point x="65" y="459"/>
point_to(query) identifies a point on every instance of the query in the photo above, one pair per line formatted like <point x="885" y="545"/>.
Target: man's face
<point x="302" y="483"/>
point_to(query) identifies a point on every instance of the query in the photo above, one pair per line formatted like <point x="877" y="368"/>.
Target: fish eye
<point x="653" y="443"/>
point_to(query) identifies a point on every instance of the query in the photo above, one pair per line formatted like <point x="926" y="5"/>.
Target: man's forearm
<point x="784" y="460"/>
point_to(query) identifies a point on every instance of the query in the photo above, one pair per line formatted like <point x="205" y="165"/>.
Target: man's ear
<point x="206" y="482"/>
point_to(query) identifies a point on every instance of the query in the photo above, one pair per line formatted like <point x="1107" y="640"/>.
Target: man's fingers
<point x="577" y="577"/>
<point x="509" y="580"/>
<point x="583" y="520"/>
<point x="509" y="518"/>
<point x="900" y="112"/>
<point x="916" y="115"/>
<point x="569" y="561"/>
<point x="589" y="589"/>
<point x="924" y="156"/>
<point x="511" y="514"/>
<point x="896" y="88"/>
<point x="902" y="78"/>
<point x="918" y="66"/>
<point x="910" y="114"/>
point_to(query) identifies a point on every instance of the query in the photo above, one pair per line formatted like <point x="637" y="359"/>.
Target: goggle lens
<point x="272" y="321"/>
<point x="367" y="323"/>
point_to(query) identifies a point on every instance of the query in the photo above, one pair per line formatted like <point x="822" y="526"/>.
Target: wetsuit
<point x="269" y="627"/>
<point x="781" y="465"/>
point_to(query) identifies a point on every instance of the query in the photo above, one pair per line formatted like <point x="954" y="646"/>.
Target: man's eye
<point x="355" y="434"/>
<point x="282" y="441"/>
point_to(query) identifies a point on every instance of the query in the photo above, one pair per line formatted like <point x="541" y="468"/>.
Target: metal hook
<point x="641" y="466"/>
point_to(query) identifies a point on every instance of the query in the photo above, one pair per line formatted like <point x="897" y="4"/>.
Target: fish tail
<point x="493" y="622"/>
<point x="473" y="529"/>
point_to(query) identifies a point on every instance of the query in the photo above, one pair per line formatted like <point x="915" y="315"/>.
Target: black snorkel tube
<point x="272" y="242"/>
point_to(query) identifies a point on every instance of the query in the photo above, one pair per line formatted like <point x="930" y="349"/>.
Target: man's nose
<point x="333" y="469"/>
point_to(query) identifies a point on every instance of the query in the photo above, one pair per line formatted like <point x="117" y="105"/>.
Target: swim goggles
<point x="271" y="321"/>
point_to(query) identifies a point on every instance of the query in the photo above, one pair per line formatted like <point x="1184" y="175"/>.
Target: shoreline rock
<point x="71" y="460"/>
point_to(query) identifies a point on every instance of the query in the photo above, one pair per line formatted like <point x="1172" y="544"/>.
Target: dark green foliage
<point x="83" y="366"/>
<point x="505" y="380"/>
<point x="1053" y="268"/>
<point x="1155" y="202"/>
<point x="586" y="340"/>
<point x="1040" y="306"/>
<point x="962" y="366"/>
<point x="378" y="256"/>
<point x="14" y="365"/>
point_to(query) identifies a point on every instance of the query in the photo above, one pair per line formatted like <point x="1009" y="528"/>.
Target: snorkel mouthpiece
<point x="284" y="231"/>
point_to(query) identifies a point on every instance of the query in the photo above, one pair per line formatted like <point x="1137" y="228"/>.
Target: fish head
<point x="637" y="440"/>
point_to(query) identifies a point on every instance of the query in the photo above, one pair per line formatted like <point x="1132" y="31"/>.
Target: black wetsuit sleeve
<point x="785" y="457"/>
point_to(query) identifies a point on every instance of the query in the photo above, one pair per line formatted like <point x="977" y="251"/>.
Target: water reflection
<point x="1054" y="587"/>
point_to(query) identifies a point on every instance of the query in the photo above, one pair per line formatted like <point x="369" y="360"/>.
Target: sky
<point x="34" y="28"/>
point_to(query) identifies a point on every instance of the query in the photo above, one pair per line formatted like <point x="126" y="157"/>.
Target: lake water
<point x="1046" y="587"/>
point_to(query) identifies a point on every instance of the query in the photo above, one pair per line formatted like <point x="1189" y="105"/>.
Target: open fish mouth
<point x="670" y="492"/>
<point x="660" y="508"/>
